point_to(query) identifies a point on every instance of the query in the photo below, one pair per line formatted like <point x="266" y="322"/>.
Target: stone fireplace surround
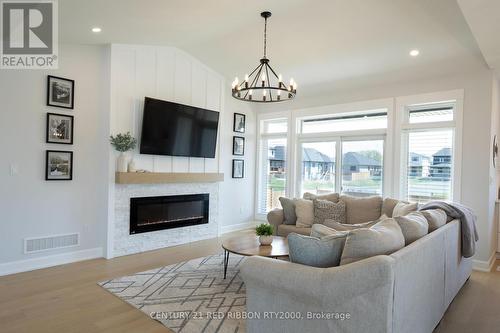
<point x="124" y="243"/>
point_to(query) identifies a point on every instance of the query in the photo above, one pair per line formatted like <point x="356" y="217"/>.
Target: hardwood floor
<point x="67" y="298"/>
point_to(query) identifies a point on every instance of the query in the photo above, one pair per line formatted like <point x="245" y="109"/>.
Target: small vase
<point x="131" y="166"/>
<point x="265" y="240"/>
<point x="121" y="163"/>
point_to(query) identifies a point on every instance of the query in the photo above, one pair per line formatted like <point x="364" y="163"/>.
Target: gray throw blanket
<point x="467" y="219"/>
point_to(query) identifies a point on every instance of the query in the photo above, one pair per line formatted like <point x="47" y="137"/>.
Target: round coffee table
<point x="250" y="246"/>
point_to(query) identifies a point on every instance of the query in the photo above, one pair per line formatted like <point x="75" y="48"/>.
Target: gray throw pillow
<point x="288" y="210"/>
<point x="316" y="252"/>
<point x="384" y="237"/>
<point x="413" y="225"/>
<point x="435" y="217"/>
<point x="333" y="197"/>
<point x="324" y="209"/>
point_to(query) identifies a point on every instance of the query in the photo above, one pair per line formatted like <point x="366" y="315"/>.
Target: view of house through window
<point x="318" y="167"/>
<point x="362" y="167"/>
<point x="273" y="173"/>
<point x="429" y="165"/>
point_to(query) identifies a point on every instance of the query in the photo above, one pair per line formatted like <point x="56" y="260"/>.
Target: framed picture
<point x="238" y="145"/>
<point x="239" y="123"/>
<point x="60" y="92"/>
<point x="59" y="165"/>
<point x="59" y="128"/>
<point x="238" y="168"/>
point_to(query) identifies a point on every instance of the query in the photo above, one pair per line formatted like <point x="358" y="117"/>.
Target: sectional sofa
<point x="406" y="291"/>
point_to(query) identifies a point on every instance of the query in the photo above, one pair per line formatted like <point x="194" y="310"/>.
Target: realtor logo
<point x="29" y="34"/>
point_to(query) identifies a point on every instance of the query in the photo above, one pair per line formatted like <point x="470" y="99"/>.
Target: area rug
<point x="188" y="297"/>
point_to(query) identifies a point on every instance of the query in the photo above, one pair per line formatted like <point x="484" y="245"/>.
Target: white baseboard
<point x="235" y="227"/>
<point x="484" y="266"/>
<point x="49" y="261"/>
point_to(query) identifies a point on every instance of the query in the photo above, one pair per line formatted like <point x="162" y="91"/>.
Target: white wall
<point x="29" y="205"/>
<point x="477" y="116"/>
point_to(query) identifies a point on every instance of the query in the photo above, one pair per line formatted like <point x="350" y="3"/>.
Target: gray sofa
<point x="407" y="291"/>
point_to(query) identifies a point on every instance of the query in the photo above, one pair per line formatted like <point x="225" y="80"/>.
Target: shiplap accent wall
<point x="165" y="73"/>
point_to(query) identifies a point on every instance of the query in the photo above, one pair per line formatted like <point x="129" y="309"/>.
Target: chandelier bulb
<point x="250" y="92"/>
<point x="279" y="92"/>
<point x="280" y="78"/>
<point x="264" y="92"/>
<point x="246" y="77"/>
<point x="263" y="77"/>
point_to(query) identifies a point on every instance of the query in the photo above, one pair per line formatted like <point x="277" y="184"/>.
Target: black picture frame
<point x="237" y="172"/>
<point x="239" y="123"/>
<point x="49" y="131"/>
<point x="48" y="166"/>
<point x="65" y="84"/>
<point x="235" y="145"/>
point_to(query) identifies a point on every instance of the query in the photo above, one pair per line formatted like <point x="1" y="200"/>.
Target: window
<point x="362" y="167"/>
<point x="346" y="122"/>
<point x="272" y="164"/>
<point x="428" y="153"/>
<point x="318" y="167"/>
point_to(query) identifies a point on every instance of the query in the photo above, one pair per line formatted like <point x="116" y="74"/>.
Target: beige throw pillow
<point x="304" y="209"/>
<point x="384" y="237"/>
<point x="347" y="227"/>
<point x="388" y="206"/>
<point x="435" y="217"/>
<point x="403" y="208"/>
<point x="333" y="197"/>
<point x="324" y="209"/>
<point x="361" y="210"/>
<point x="320" y="231"/>
<point x="413" y="226"/>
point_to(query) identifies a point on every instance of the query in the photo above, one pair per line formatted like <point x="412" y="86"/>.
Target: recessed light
<point x="96" y="29"/>
<point x="414" y="53"/>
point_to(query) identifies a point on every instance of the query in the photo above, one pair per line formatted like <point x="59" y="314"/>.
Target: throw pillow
<point x="333" y="197"/>
<point x="435" y="217"/>
<point x="311" y="251"/>
<point x="403" y="208"/>
<point x="304" y="209"/>
<point x="413" y="226"/>
<point x="320" y="231"/>
<point x="361" y="210"/>
<point x="388" y="206"/>
<point x="384" y="237"/>
<point x="324" y="209"/>
<point x="347" y="227"/>
<point x="288" y="210"/>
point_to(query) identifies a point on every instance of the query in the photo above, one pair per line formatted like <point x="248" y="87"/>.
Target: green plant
<point x="264" y="229"/>
<point x="123" y="142"/>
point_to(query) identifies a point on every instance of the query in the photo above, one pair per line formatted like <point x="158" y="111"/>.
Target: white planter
<point x="131" y="166"/>
<point x="121" y="163"/>
<point x="265" y="240"/>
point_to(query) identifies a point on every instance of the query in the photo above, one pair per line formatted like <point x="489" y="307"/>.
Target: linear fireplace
<point x="166" y="212"/>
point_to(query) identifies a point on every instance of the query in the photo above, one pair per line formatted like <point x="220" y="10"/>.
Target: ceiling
<point x="321" y="43"/>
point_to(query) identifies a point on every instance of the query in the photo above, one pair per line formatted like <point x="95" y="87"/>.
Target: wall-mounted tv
<point x="178" y="130"/>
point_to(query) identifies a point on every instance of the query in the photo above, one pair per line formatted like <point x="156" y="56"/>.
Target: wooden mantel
<point x="166" y="177"/>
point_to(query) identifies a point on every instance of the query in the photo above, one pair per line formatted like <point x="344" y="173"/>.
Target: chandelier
<point x="263" y="85"/>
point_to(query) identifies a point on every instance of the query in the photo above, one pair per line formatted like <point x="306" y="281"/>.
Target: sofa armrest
<point x="275" y="217"/>
<point x="276" y="285"/>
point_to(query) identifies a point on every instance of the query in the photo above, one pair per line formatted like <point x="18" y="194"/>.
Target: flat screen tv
<point x="178" y="130"/>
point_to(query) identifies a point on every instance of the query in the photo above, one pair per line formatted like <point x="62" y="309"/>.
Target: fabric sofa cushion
<point x="304" y="209"/>
<point x="284" y="229"/>
<point x="324" y="209"/>
<point x="413" y="225"/>
<point x="388" y="206"/>
<point x="316" y="252"/>
<point x="347" y="227"/>
<point x="320" y="231"/>
<point x="404" y="208"/>
<point x="435" y="217"/>
<point x="333" y="197"/>
<point x="360" y="210"/>
<point x="384" y="237"/>
<point x="288" y="210"/>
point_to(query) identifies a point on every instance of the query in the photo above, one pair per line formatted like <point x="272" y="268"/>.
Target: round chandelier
<point x="263" y="85"/>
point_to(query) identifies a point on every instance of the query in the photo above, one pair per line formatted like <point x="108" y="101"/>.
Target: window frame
<point x="403" y="126"/>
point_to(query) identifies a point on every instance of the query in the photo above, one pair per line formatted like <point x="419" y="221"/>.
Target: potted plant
<point x="122" y="143"/>
<point x="265" y="233"/>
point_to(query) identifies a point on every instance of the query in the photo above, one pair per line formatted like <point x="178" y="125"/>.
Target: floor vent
<point x="32" y="245"/>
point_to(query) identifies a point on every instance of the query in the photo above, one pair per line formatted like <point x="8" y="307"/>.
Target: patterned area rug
<point x="188" y="297"/>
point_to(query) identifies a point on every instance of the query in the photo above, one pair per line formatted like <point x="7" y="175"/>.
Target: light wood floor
<point x="67" y="299"/>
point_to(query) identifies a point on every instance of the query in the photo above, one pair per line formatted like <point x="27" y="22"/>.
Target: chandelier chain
<point x="265" y="36"/>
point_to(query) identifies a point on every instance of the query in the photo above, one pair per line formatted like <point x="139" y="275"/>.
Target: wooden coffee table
<point x="250" y="246"/>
